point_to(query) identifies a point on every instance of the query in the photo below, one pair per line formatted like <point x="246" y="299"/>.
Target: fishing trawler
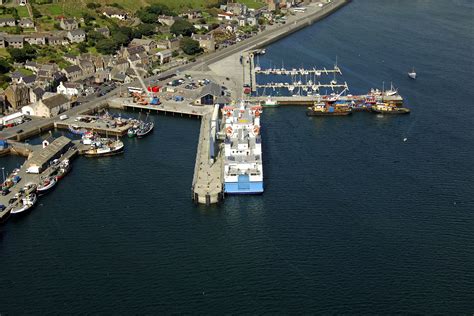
<point x="105" y="147"/>
<point x="388" y="108"/>
<point x="243" y="166"/>
<point x="64" y="168"/>
<point x="329" y="109"/>
<point x="144" y="129"/>
<point x="76" y="130"/>
<point x="87" y="138"/>
<point x="26" y="203"/>
<point x="330" y="106"/>
<point x="47" y="184"/>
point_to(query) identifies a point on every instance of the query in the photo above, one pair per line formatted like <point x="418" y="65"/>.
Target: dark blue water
<point x="354" y="220"/>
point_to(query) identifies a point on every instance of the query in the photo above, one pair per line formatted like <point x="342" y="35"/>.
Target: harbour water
<point x="353" y="219"/>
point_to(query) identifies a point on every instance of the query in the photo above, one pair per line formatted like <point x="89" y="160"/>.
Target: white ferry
<point x="243" y="167"/>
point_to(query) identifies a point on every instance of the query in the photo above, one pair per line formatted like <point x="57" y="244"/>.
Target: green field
<point x="25" y="72"/>
<point x="66" y="8"/>
<point x="75" y="8"/>
<point x="252" y="4"/>
<point x="23" y="12"/>
<point x="4" y="53"/>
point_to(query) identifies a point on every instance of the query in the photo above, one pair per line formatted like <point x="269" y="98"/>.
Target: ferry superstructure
<point x="243" y="167"/>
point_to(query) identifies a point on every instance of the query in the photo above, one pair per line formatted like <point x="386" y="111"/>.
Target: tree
<point x="93" y="5"/>
<point x="4" y="66"/>
<point x="120" y="39"/>
<point x="106" y="46"/>
<point x="160" y="9"/>
<point x="151" y="13"/>
<point x="82" y="47"/>
<point x="23" y="54"/>
<point x="117" y="5"/>
<point x="146" y="29"/>
<point x="36" y="13"/>
<point x="88" y="18"/>
<point x="190" y="46"/>
<point x="4" y="81"/>
<point x="147" y="17"/>
<point x="182" y="27"/>
<point x="93" y="37"/>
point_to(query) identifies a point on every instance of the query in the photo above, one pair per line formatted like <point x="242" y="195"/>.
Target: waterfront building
<point x="17" y="95"/>
<point x="51" y="106"/>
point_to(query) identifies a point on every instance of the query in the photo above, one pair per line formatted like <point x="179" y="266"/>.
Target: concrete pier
<point x="101" y="126"/>
<point x="207" y="187"/>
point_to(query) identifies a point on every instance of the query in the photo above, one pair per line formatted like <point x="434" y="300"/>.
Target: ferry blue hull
<point x="243" y="188"/>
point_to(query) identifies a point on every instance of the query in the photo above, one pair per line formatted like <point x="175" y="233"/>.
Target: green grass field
<point x="23" y="12"/>
<point x="25" y="72"/>
<point x="67" y="8"/>
<point x="73" y="7"/>
<point x="4" y="53"/>
<point x="252" y="4"/>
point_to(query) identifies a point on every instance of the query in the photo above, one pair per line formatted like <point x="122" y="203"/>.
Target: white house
<point x="115" y="13"/>
<point x="227" y="16"/>
<point x="69" y="89"/>
<point x="165" y="56"/>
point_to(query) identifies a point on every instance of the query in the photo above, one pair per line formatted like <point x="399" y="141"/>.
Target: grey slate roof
<point x="29" y="79"/>
<point x="38" y="91"/>
<point x="55" y="101"/>
<point x="16" y="75"/>
<point x="212" y="89"/>
<point x="77" y="32"/>
<point x="71" y="69"/>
